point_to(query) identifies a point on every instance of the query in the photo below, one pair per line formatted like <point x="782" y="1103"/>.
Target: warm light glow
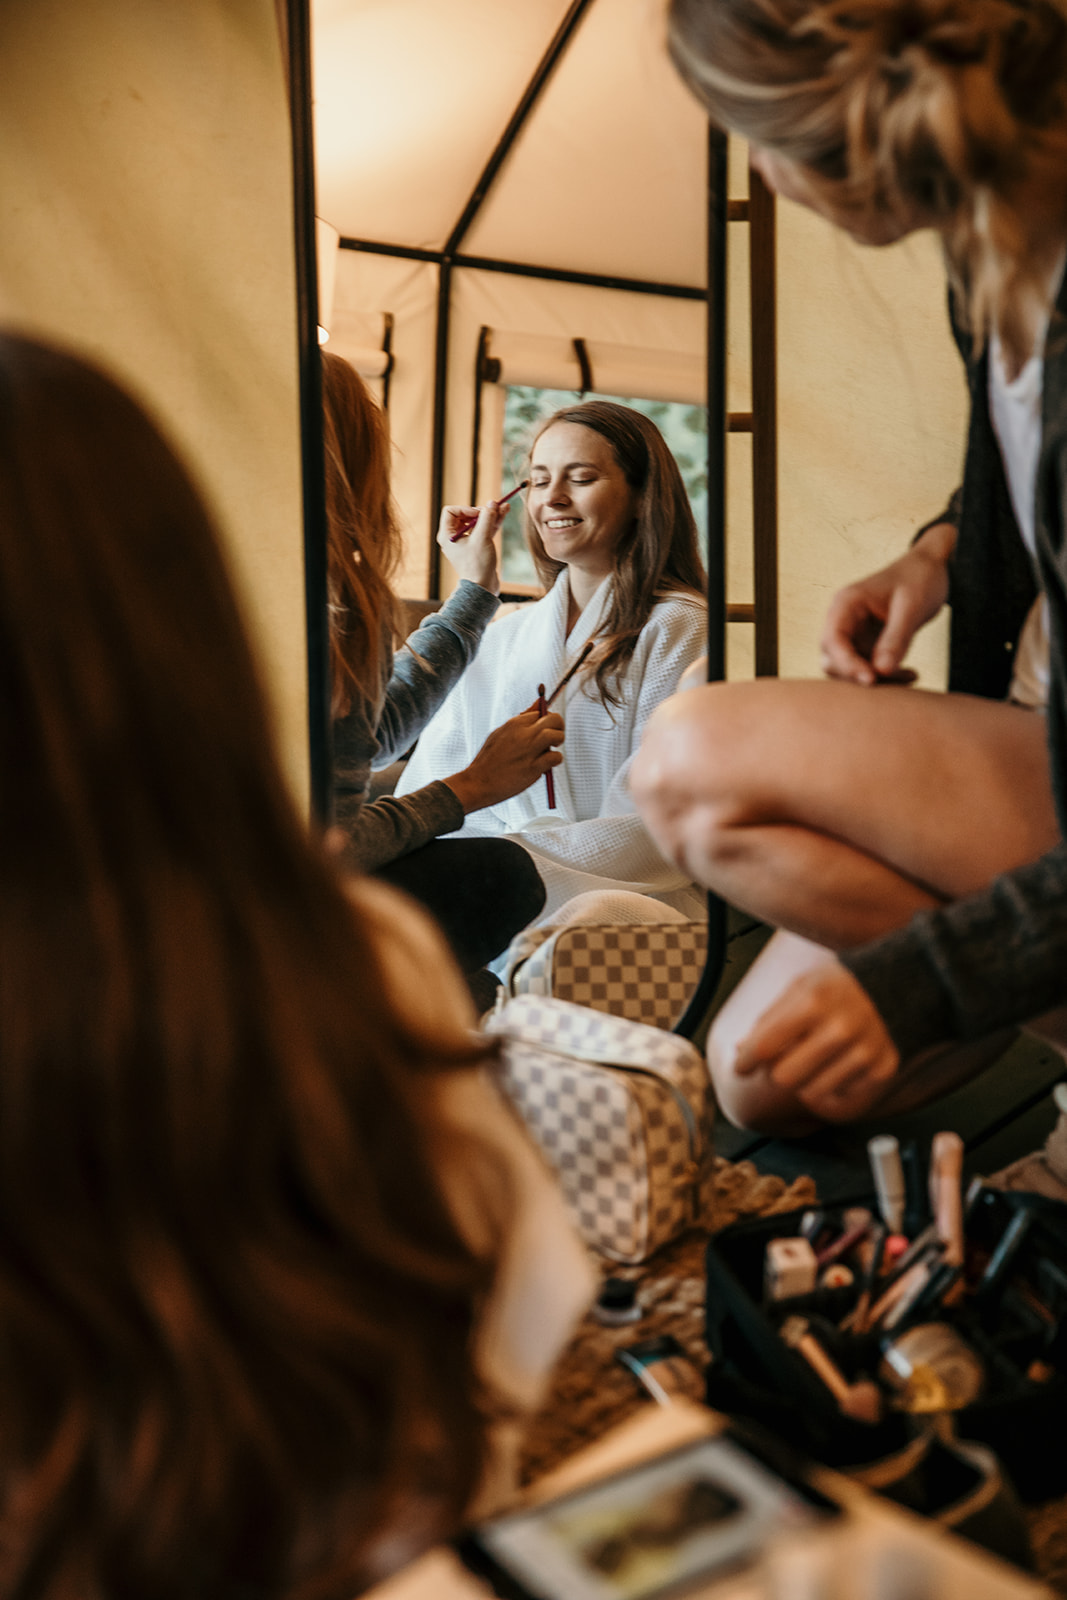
<point x="327" y="244"/>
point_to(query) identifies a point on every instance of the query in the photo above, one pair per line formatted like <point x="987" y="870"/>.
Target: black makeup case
<point x="1018" y="1330"/>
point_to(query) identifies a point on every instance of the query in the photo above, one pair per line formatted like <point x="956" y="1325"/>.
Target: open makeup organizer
<point x="864" y="1338"/>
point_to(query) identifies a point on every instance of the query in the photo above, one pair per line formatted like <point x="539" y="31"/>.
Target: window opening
<point x="683" y="425"/>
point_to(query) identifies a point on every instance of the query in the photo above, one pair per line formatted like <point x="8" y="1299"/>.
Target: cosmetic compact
<point x="930" y="1368"/>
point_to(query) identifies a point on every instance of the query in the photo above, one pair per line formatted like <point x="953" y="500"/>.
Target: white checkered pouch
<point x="644" y="971"/>
<point x="623" y="1113"/>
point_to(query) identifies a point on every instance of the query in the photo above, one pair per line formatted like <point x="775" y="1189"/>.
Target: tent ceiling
<point x="411" y="97"/>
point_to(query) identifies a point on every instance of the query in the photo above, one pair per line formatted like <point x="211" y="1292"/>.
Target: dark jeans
<point x="480" y="891"/>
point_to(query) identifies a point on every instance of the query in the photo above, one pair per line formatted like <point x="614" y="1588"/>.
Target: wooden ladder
<point x="761" y="422"/>
<point x="757" y="212"/>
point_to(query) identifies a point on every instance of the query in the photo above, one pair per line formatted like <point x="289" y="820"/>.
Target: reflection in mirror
<point x="546" y="231"/>
<point x="501" y="243"/>
<point x="683" y="426"/>
<point x="615" y="546"/>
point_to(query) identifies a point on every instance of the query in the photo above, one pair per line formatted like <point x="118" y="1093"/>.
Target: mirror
<point x="511" y="183"/>
<point x="145" y="168"/>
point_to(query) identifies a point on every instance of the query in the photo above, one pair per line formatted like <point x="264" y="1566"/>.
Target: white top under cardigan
<point x="594" y="840"/>
<point x="1015" y="411"/>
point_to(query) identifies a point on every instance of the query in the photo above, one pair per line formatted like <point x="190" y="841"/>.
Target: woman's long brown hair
<point x="364" y="535"/>
<point x="657" y="555"/>
<point x="236" y="1315"/>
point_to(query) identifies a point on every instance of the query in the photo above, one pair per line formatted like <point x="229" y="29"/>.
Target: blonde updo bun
<point x="931" y="113"/>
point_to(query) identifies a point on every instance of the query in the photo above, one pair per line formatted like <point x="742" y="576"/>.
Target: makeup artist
<point x="612" y="535"/>
<point x="910" y="844"/>
<point x="480" y="891"/>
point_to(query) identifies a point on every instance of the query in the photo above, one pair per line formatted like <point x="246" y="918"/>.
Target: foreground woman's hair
<point x="235" y="1312"/>
<point x="932" y="113"/>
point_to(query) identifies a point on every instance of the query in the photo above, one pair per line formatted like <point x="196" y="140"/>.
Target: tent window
<point x="683" y="425"/>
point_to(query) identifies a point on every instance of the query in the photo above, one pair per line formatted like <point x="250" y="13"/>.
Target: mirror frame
<point x="297" y="21"/>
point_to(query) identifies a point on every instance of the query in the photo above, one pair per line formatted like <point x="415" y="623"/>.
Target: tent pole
<point x="695" y="1013"/>
<point x="545" y="67"/>
<point x="440" y="391"/>
<point x="717" y="417"/>
<point x="521" y="269"/>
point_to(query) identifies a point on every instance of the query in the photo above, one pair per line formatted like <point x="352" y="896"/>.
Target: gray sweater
<point x="377" y="732"/>
<point x="997" y="957"/>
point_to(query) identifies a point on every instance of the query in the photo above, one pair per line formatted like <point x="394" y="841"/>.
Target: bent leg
<point x="837" y="811"/>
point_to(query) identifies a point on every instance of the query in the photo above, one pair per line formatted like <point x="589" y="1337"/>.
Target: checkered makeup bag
<point x="622" y="1112"/>
<point x="644" y="971"/>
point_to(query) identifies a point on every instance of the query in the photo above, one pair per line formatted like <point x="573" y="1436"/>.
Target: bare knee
<point x="757" y="1104"/>
<point x="694" y="760"/>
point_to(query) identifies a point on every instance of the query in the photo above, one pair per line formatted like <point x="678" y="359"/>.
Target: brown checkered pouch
<point x="622" y="1112"/>
<point x="644" y="971"/>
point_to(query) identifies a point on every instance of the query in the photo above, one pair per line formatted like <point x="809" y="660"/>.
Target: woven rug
<point x="592" y="1392"/>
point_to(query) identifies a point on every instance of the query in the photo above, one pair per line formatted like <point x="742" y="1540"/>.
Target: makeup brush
<point x="550" y="782"/>
<point x="567" y="676"/>
<point x="467" y="522"/>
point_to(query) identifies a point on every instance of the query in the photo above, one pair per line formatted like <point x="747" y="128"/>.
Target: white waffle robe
<point x="594" y="839"/>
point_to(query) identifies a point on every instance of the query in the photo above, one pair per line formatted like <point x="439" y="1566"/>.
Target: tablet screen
<point x="661" y="1527"/>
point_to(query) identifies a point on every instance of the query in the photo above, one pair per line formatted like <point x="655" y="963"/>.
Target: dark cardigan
<point x="991" y="577"/>
<point x="998" y="957"/>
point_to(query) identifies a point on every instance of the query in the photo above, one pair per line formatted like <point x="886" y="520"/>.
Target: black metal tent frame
<point x="447" y="261"/>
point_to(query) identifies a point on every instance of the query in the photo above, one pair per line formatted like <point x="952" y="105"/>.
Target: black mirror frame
<point x="320" y="752"/>
<point x="298" y="23"/>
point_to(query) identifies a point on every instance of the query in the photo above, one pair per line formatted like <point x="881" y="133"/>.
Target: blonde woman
<point x="910" y="843"/>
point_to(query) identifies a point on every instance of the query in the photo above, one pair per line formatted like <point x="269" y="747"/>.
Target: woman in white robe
<point x="613" y="537"/>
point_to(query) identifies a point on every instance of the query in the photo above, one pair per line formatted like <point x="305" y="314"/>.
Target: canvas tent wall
<point x="609" y="177"/>
<point x="147" y="223"/>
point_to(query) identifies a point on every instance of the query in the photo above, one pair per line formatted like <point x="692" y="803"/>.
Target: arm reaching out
<point x="871" y="623"/>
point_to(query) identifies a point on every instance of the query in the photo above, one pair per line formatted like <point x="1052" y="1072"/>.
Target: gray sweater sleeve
<point x="420" y="677"/>
<point x="385" y="829"/>
<point x="429" y="666"/>
<point x="975" y="965"/>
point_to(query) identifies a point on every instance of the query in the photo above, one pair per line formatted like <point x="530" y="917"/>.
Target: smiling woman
<point x="579" y="504"/>
<point x="612" y="536"/>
